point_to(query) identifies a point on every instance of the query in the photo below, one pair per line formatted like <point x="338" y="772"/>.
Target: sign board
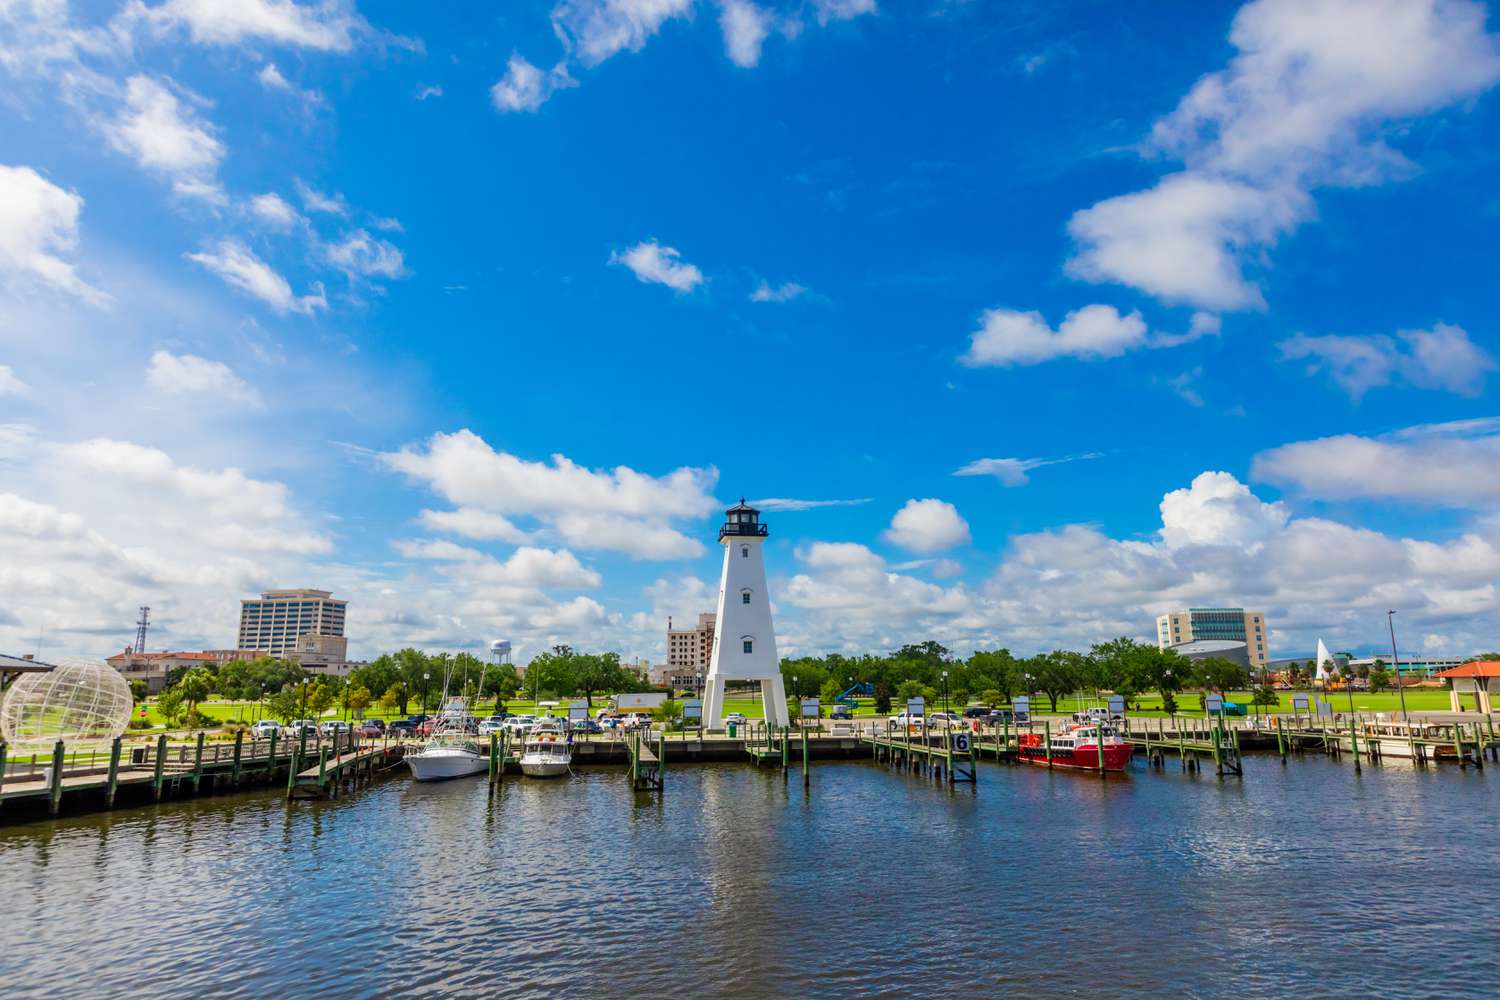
<point x="692" y="708"/>
<point x="916" y="706"/>
<point x="1116" y="705"/>
<point x="1020" y="707"/>
<point x="810" y="708"/>
<point x="1323" y="707"/>
<point x="578" y="711"/>
<point x="644" y="701"/>
<point x="1213" y="704"/>
<point x="1299" y="702"/>
<point x="960" y="742"/>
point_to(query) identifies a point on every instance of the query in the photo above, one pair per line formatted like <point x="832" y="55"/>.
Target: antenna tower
<point x="140" y="628"/>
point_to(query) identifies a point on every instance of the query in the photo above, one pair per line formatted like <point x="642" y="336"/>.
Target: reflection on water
<point x="736" y="882"/>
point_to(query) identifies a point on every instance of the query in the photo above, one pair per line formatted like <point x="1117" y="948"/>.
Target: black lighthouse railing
<point x="744" y="520"/>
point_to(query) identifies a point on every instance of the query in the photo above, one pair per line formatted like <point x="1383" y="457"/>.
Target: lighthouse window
<point x="745" y="551"/>
<point x="749" y="645"/>
<point x="744" y="597"/>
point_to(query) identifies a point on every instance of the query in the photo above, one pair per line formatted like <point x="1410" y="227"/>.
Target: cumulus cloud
<point x="745" y="26"/>
<point x="237" y="265"/>
<point x="38" y="225"/>
<point x="164" y="133"/>
<point x="472" y="522"/>
<point x="528" y="566"/>
<point x="927" y="526"/>
<point x="1013" y="471"/>
<point x="784" y="292"/>
<point x="653" y="263"/>
<point x="1011" y="337"/>
<point x="594" y="30"/>
<point x="619" y="509"/>
<point x="273" y="211"/>
<point x="11" y="384"/>
<point x="330" y="26"/>
<point x="188" y="374"/>
<point x="524" y="87"/>
<point x="359" y="254"/>
<point x="1448" y="465"/>
<point x="1440" y="358"/>
<point x="1303" y="104"/>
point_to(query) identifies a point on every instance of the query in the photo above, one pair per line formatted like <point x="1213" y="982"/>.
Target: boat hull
<point x="551" y="767"/>
<point x="441" y="765"/>
<point x="1085" y="758"/>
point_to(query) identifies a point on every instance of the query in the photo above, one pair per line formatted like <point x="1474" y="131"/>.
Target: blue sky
<point x="1082" y="311"/>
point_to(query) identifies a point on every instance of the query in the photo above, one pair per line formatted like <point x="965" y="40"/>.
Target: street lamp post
<point x="945" y="691"/>
<point x="1390" y="617"/>
<point x="426" y="678"/>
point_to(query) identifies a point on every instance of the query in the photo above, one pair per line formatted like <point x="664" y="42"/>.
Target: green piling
<point x="1354" y="743"/>
<point x="806" y="778"/>
<point x="494" y="755"/>
<point x="114" y="772"/>
<point x="3" y="749"/>
<point x="786" y="735"/>
<point x="322" y="767"/>
<point x="55" y="798"/>
<point x="1047" y="735"/>
<point x="161" y="761"/>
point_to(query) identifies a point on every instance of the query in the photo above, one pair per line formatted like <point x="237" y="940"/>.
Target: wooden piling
<point x="54" y="802"/>
<point x="3" y="749"/>
<point x="198" y="763"/>
<point x="114" y="773"/>
<point x="161" y="761"/>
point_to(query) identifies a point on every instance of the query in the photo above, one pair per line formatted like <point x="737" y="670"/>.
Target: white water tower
<point x="500" y="650"/>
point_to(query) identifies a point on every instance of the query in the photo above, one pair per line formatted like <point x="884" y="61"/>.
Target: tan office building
<point x="1233" y="624"/>
<point x="276" y="622"/>
<point x="688" y="653"/>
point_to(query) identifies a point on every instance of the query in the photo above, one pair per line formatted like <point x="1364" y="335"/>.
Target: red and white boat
<point x="1077" y="747"/>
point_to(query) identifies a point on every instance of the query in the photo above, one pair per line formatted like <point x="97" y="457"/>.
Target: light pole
<point x="1028" y="686"/>
<point x="945" y="692"/>
<point x="426" y="677"/>
<point x="1390" y="621"/>
<point x="1167" y="680"/>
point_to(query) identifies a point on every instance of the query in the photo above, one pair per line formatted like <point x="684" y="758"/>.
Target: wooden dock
<point x="916" y="752"/>
<point x="344" y="769"/>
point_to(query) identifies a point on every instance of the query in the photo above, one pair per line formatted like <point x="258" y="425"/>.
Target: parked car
<point x="403" y="727"/>
<point x="905" y="719"/>
<point x="491" y="725"/>
<point x="587" y="726"/>
<point x="941" y="720"/>
<point x="300" y="726"/>
<point x="635" y="720"/>
<point x="264" y="728"/>
<point x="978" y="712"/>
<point x="333" y="728"/>
<point x="520" y="725"/>
<point x="737" y="718"/>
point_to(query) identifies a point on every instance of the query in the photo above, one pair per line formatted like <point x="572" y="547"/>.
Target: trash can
<point x="733" y="728"/>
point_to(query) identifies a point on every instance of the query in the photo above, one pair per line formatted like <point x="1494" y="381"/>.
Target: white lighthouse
<point x="744" y="640"/>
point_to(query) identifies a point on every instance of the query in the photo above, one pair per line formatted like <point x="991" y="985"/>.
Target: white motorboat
<point x="547" y="751"/>
<point x="452" y="751"/>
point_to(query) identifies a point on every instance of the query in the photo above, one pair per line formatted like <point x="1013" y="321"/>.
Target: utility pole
<point x="140" y="628"/>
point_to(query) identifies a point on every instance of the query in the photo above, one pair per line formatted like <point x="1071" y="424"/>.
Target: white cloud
<point x="1011" y="337"/>
<point x="527" y="567"/>
<point x="524" y="87"/>
<point x="270" y="77"/>
<point x="316" y="201"/>
<point x="745" y="26"/>
<point x="1218" y="509"/>
<point x="272" y="210"/>
<point x="188" y="374"/>
<point x="842" y="10"/>
<point x="164" y="134"/>
<point x="472" y="522"/>
<point x="1448" y="465"/>
<point x="784" y="292"/>
<point x="619" y="510"/>
<point x="234" y="262"/>
<point x="329" y="26"/>
<point x="927" y="526"/>
<point x="39" y="223"/>
<point x="366" y="256"/>
<point x="1012" y="471"/>
<point x="1441" y="358"/>
<point x="651" y="262"/>
<point x="430" y="90"/>
<point x="10" y="384"/>
<point x="1185" y="385"/>
<point x="1301" y="105"/>
<point x="594" y="30"/>
<point x="784" y="503"/>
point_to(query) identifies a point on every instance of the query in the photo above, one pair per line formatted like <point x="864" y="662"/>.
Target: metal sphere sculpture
<point x="77" y="700"/>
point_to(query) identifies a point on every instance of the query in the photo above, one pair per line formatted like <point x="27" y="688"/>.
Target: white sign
<point x="1116" y="705"/>
<point x="1299" y="702"/>
<point x="960" y="742"/>
<point x="1213" y="703"/>
<point x="578" y="711"/>
<point x="916" y="706"/>
<point x="692" y="708"/>
<point x="1021" y="706"/>
<point x="810" y="708"/>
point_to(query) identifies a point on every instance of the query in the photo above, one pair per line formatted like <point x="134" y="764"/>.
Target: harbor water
<point x="1300" y="878"/>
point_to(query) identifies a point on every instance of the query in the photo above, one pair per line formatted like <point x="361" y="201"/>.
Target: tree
<point x="195" y="687"/>
<point x="601" y="672"/>
<point x="1265" y="696"/>
<point x="359" y="698"/>
<point x="320" y="698"/>
<point x="1380" y="679"/>
<point x="991" y="697"/>
<point x="1057" y="673"/>
<point x="393" y="698"/>
<point x="169" y="705"/>
<point x="994" y="670"/>
<point x="669" y="714"/>
<point x="1215" y="673"/>
<point x="882" y="697"/>
<point x="138" y="691"/>
<point x="830" y="691"/>
<point x="285" y="704"/>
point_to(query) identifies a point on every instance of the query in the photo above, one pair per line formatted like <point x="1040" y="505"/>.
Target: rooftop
<point x="1476" y="668"/>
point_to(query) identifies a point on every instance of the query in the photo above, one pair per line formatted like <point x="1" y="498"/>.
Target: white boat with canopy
<point x="548" y="749"/>
<point x="453" y="750"/>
